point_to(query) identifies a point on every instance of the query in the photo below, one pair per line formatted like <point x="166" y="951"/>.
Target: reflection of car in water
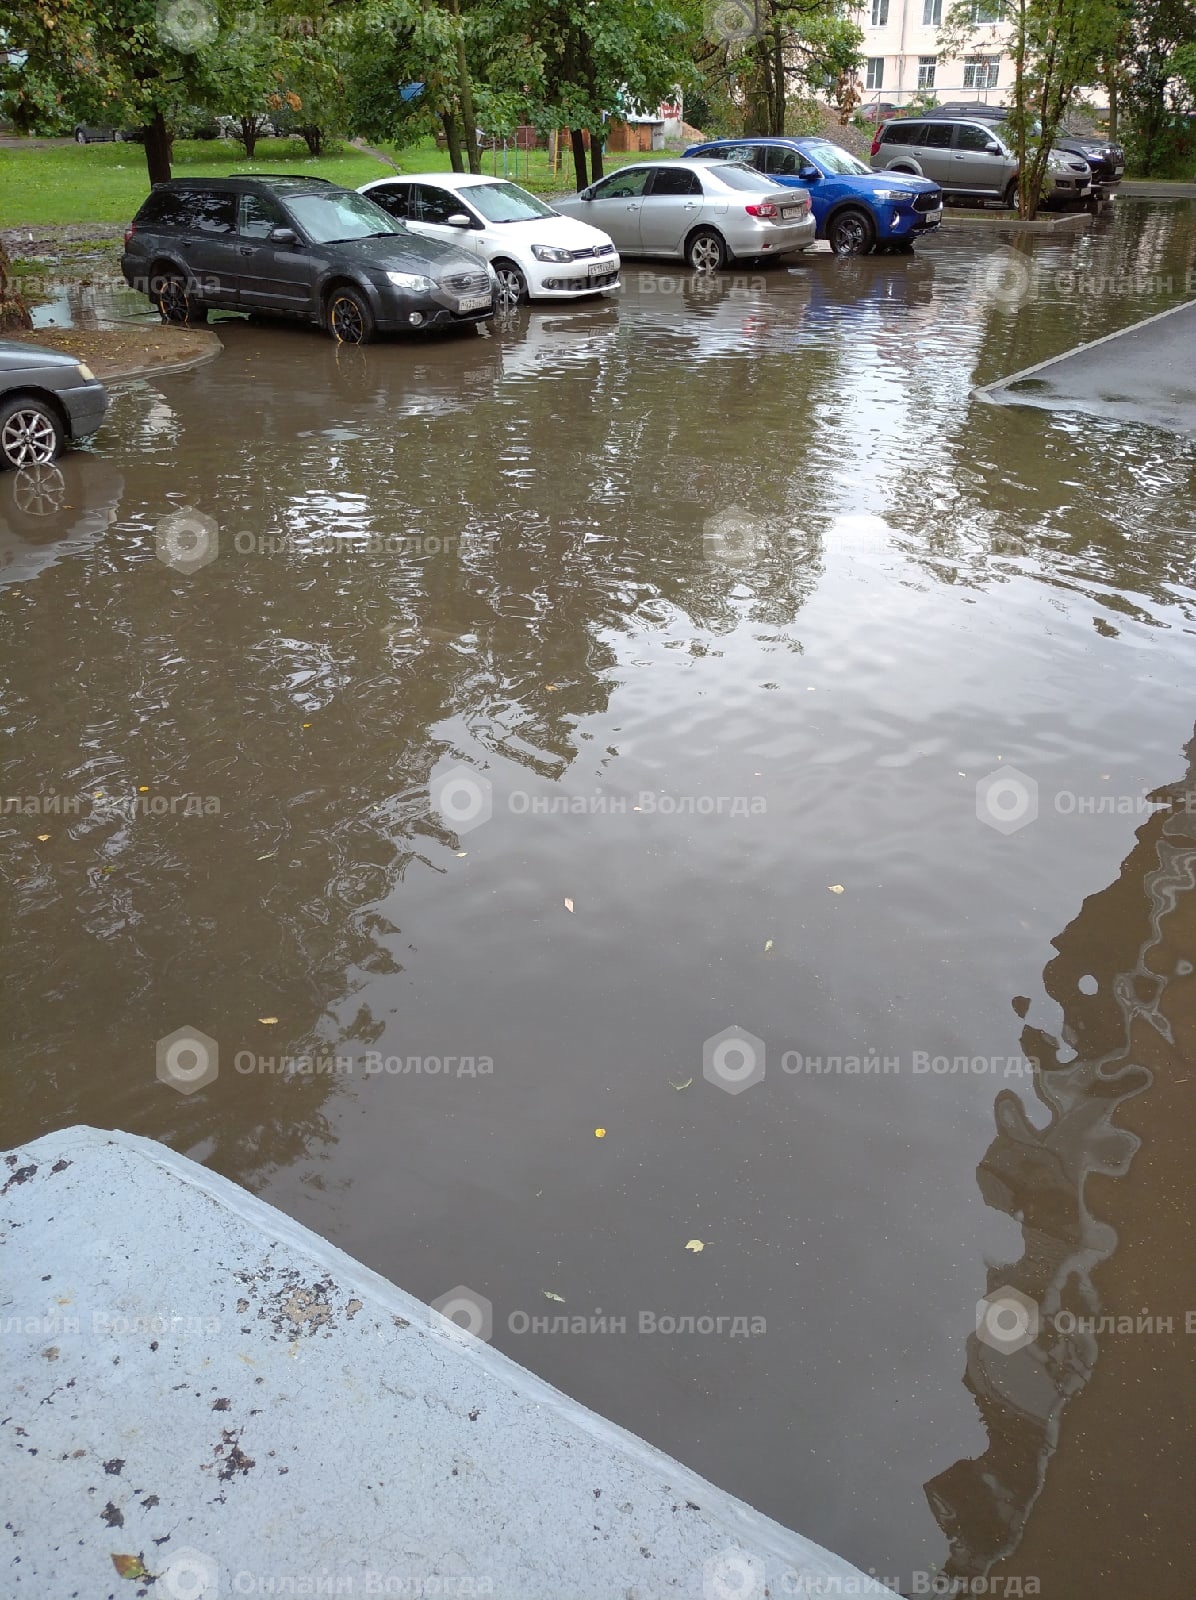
<point x="867" y="282"/>
<point x="48" y="513"/>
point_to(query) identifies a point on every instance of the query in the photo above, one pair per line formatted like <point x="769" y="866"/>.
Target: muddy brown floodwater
<point x="708" y="614"/>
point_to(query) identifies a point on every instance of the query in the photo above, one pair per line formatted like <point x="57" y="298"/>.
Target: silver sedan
<point x="707" y="212"/>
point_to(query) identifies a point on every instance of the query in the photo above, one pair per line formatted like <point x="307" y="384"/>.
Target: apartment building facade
<point x="901" y="56"/>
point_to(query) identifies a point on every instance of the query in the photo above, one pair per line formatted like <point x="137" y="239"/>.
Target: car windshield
<point x="737" y="177"/>
<point x="835" y="161"/>
<point x="330" y="218"/>
<point x="506" y="202"/>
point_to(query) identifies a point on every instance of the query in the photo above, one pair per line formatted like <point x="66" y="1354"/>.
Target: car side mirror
<point x="458" y="220"/>
<point x="283" y="236"/>
<point x="993" y="148"/>
<point x="585" y="195"/>
<point x="809" y="174"/>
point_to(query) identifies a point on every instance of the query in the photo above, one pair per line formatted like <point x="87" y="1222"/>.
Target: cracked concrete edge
<point x="996" y="393"/>
<point x="503" y="1376"/>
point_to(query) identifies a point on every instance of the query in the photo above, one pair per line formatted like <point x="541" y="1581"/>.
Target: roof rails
<point x="285" y="177"/>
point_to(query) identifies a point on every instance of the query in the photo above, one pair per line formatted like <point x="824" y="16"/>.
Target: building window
<point x="880" y="12"/>
<point x="932" y="13"/>
<point x="981" y="72"/>
<point x="876" y="73"/>
<point x="926" y="72"/>
<point x="984" y="11"/>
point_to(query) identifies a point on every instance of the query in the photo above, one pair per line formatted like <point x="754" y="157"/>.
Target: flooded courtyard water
<point x="563" y="698"/>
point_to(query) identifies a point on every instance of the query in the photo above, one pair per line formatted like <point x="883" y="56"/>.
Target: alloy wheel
<point x="348" y="326"/>
<point x="706" y="255"/>
<point x="851" y="236"/>
<point x="512" y="286"/>
<point x="28" y="438"/>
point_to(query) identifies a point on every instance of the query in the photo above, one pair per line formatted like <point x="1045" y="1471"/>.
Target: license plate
<point x="474" y="303"/>
<point x="1117" y="171"/>
<point x="936" y="215"/>
<point x="598" y="269"/>
<point x="788" y="213"/>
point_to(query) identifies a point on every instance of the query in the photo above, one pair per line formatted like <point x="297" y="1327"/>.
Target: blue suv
<point x="857" y="209"/>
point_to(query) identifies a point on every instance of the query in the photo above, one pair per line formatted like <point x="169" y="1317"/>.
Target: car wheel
<point x="851" y="234"/>
<point x="1010" y="197"/>
<point x="174" y="304"/>
<point x="350" y="320"/>
<point x="705" y="251"/>
<point x="512" y="285"/>
<point x="31" y="432"/>
<point x="80" y="136"/>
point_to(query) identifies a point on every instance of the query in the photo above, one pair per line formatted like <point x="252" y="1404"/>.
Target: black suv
<point x="297" y="247"/>
<point x="1105" y="158"/>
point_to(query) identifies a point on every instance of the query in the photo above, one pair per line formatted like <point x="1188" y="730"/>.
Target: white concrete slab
<point x="203" y="1398"/>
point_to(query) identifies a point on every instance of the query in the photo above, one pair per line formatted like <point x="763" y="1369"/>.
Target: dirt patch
<point x="120" y="352"/>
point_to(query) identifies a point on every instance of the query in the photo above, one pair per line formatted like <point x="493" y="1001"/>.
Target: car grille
<point x="598" y="250"/>
<point x="928" y="202"/>
<point x="466" y="283"/>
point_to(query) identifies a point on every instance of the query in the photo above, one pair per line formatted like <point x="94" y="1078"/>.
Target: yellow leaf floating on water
<point x="548" y="1295"/>
<point x="680" y="1086"/>
<point x="267" y="1021"/>
<point x="696" y="1246"/>
<point x="130" y="1567"/>
<point x="600" y="1133"/>
<point x="835" y="888"/>
<point x="568" y="904"/>
<point x="43" y="837"/>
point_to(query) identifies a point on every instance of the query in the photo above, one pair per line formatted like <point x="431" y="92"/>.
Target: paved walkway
<point x="206" y="1399"/>
<point x="1144" y="374"/>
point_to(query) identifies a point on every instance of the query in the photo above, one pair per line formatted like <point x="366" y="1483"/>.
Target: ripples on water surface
<point x="921" y="588"/>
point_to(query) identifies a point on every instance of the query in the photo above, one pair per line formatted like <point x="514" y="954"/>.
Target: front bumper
<point x="406" y="311"/>
<point x="571" y="280"/>
<point x="1069" y="189"/>
<point x="86" y="406"/>
<point x="904" y="220"/>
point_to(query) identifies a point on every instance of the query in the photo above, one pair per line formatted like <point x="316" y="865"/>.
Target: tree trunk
<point x="249" y="134"/>
<point x="453" y="140"/>
<point x="13" y="311"/>
<point x="597" y="170"/>
<point x="777" y="107"/>
<point x="158" y="149"/>
<point x="465" y="93"/>
<point x="579" y="157"/>
<point x="313" y="138"/>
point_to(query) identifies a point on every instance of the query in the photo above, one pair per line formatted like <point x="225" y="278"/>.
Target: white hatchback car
<point x="535" y="252"/>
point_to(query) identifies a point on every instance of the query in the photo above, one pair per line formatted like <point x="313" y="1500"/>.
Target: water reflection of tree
<point x="313" y="692"/>
<point x="1127" y="938"/>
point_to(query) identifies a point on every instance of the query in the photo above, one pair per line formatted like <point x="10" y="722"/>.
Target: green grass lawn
<point x="107" y="182"/>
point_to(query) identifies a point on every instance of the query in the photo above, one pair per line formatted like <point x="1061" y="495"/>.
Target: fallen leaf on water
<point x="268" y="855"/>
<point x="696" y="1246"/>
<point x="143" y="788"/>
<point x="568" y="904"/>
<point x="43" y="837"/>
<point x="130" y="1567"/>
<point x="267" y="1021"/>
<point x="835" y="888"/>
<point x="767" y="946"/>
<point x="680" y="1086"/>
<point x="548" y="1295"/>
<point x="462" y="852"/>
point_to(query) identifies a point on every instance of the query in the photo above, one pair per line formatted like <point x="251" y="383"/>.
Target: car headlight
<point x="410" y="280"/>
<point x="894" y="194"/>
<point x="550" y="252"/>
<point x="85" y="372"/>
